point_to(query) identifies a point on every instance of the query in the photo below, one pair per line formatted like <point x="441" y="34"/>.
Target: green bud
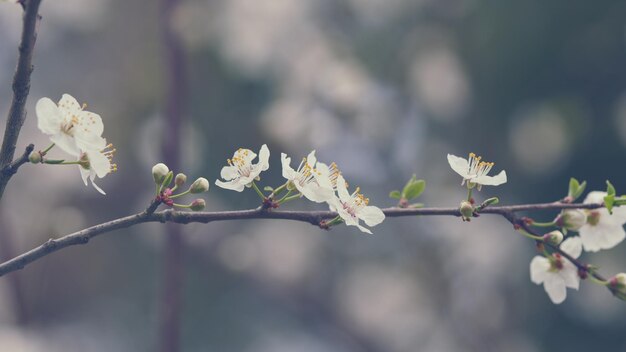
<point x="35" y="157"/>
<point x="554" y="238"/>
<point x="571" y="219"/>
<point x="199" y="186"/>
<point x="159" y="171"/>
<point x="609" y="199"/>
<point x="197" y="205"/>
<point x="467" y="210"/>
<point x="617" y="284"/>
<point x="180" y="179"/>
<point x="395" y="195"/>
<point x="576" y="189"/>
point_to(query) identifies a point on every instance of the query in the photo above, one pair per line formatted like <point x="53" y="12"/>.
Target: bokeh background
<point x="385" y="88"/>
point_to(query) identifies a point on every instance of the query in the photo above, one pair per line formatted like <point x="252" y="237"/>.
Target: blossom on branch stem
<point x="240" y="171"/>
<point x="92" y="163"/>
<point x="69" y="126"/>
<point x="312" y="179"/>
<point x="602" y="230"/>
<point x="474" y="171"/>
<point x="557" y="273"/>
<point x="354" y="207"/>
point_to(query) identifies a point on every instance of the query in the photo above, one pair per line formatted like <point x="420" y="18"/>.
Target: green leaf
<point x="268" y="188"/>
<point x="167" y="180"/>
<point x="610" y="190"/>
<point x="414" y="188"/>
<point x="576" y="189"/>
<point x="416" y="205"/>
<point x="395" y="195"/>
<point x="490" y="201"/>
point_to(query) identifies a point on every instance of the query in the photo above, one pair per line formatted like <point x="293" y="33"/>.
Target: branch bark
<point x="21" y="88"/>
<point x="311" y="217"/>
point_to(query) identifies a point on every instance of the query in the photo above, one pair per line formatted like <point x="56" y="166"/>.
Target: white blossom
<point x="354" y="207"/>
<point x="96" y="163"/>
<point x="240" y="171"/>
<point x="311" y="179"/>
<point x="557" y="273"/>
<point x="69" y="126"/>
<point x="474" y="171"/>
<point x="602" y="230"/>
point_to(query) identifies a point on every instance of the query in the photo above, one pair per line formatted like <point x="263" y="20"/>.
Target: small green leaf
<point x="610" y="190"/>
<point x="490" y="201"/>
<point x="268" y="188"/>
<point x="416" y="205"/>
<point x="395" y="195"/>
<point x="414" y="188"/>
<point x="167" y="180"/>
<point x="576" y="189"/>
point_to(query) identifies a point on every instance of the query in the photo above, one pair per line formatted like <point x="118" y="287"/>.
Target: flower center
<point x="334" y="174"/>
<point x="556" y="263"/>
<point x="240" y="161"/>
<point x="355" y="203"/>
<point x="593" y="218"/>
<point x="477" y="167"/>
<point x="109" y="151"/>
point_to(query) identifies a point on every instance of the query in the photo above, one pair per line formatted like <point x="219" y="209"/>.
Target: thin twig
<point x="311" y="217"/>
<point x="21" y="88"/>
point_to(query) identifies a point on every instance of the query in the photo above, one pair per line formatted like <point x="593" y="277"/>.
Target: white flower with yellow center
<point x="557" y="273"/>
<point x="602" y="230"/>
<point x="69" y="126"/>
<point x="354" y="207"/>
<point x="96" y="162"/>
<point x="311" y="179"/>
<point x="241" y="172"/>
<point x="474" y="171"/>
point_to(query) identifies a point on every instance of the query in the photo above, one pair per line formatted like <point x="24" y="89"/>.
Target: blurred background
<point x="385" y="88"/>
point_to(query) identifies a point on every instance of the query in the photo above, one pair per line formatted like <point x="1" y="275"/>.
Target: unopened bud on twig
<point x="197" y="205"/>
<point x="159" y="171"/>
<point x="467" y="210"/>
<point x="35" y="157"/>
<point x="554" y="238"/>
<point x="571" y="219"/>
<point x="180" y="179"/>
<point x="199" y="186"/>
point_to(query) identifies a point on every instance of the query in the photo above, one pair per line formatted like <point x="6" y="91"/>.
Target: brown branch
<point x="311" y="217"/>
<point x="21" y="88"/>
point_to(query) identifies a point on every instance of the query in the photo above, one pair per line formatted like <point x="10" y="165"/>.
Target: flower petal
<point x="371" y="215"/>
<point x="601" y="236"/>
<point x="264" y="157"/>
<point x="491" y="180"/>
<point x="555" y="287"/>
<point x="231" y="185"/>
<point x="539" y="267"/>
<point x="288" y="172"/>
<point x="342" y="190"/>
<point x="569" y="273"/>
<point x="572" y="246"/>
<point x="229" y="172"/>
<point x="49" y="117"/>
<point x="66" y="143"/>
<point x="459" y="165"/>
<point x="89" y="123"/>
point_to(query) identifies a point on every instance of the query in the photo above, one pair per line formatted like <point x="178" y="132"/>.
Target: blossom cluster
<point x="313" y="180"/>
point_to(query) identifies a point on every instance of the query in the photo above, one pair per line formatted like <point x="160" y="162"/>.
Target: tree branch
<point x="21" y="88"/>
<point x="311" y="217"/>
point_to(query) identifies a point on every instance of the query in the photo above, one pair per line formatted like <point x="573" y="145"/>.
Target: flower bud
<point x="159" y="171"/>
<point x="617" y="284"/>
<point x="180" y="179"/>
<point x="467" y="210"/>
<point x="554" y="238"/>
<point x="35" y="157"/>
<point x="200" y="185"/>
<point x="571" y="219"/>
<point x="197" y="205"/>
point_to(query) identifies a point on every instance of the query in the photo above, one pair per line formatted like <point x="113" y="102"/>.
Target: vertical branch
<point x="171" y="295"/>
<point x="21" y="88"/>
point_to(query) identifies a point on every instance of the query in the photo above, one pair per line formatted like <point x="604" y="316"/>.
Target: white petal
<point x="89" y="141"/>
<point x="322" y="176"/>
<point x="84" y="174"/>
<point x="99" y="163"/>
<point x="363" y="229"/>
<point x="229" y="172"/>
<point x="491" y="180"/>
<point x="232" y="185"/>
<point x="97" y="188"/>
<point x="572" y="246"/>
<point x="595" y="197"/>
<point x="342" y="190"/>
<point x="539" y="267"/>
<point x="601" y="236"/>
<point x="288" y="172"/>
<point x="66" y="143"/>
<point x="264" y="157"/>
<point x="311" y="159"/>
<point x="459" y="165"/>
<point x="69" y="104"/>
<point x="49" y="117"/>
<point x="619" y="215"/>
<point x="371" y="215"/>
<point x="89" y="123"/>
<point x="555" y="287"/>
<point x="569" y="273"/>
<point x="315" y="193"/>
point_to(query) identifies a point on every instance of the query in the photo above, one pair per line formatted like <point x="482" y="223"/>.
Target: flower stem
<point x="543" y="224"/>
<point x="277" y="191"/>
<point x="286" y="199"/>
<point x="258" y="191"/>
<point x="533" y="237"/>
<point x="182" y="205"/>
<point x="179" y="194"/>
<point x="469" y="193"/>
<point x="596" y="281"/>
<point x="43" y="152"/>
<point x="283" y="198"/>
